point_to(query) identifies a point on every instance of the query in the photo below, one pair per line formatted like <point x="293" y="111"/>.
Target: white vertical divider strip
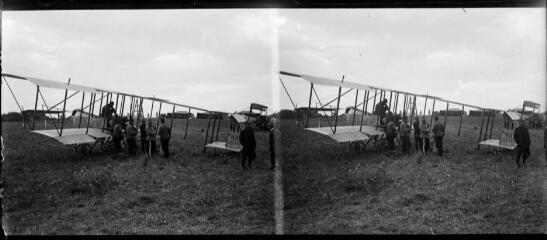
<point x="275" y="22"/>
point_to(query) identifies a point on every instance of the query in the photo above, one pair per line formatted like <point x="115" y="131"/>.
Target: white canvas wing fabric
<point x="335" y="83"/>
<point x="60" y="85"/>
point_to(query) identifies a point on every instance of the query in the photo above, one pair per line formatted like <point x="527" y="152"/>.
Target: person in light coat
<point x="404" y="133"/>
<point x="424" y="135"/>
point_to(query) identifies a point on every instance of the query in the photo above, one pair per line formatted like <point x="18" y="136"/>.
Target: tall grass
<point x="51" y="189"/>
<point x="329" y="189"/>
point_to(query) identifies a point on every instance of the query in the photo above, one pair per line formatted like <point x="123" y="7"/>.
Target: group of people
<point x="396" y="126"/>
<point x="127" y="130"/>
<point x="422" y="131"/>
<point x="422" y="135"/>
<point x="123" y="128"/>
<point x="148" y="135"/>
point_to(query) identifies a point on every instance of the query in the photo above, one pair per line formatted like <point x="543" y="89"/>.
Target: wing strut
<point x="44" y="101"/>
<point x="337" y="106"/>
<point x="316" y="96"/>
<point x="59" y="103"/>
<point x="282" y="84"/>
<point x="15" y="98"/>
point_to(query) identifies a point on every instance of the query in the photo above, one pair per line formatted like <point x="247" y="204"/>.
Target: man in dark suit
<point x="381" y="109"/>
<point x="107" y="111"/>
<point x="274" y="141"/>
<point x="417" y="140"/>
<point x="522" y="139"/>
<point x="247" y="140"/>
<point x="438" y="134"/>
<point x="545" y="142"/>
<point x="391" y="133"/>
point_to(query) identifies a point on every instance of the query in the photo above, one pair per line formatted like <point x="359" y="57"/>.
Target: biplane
<point x="257" y="116"/>
<point x="510" y="121"/>
<point x="88" y="129"/>
<point x="303" y="112"/>
<point x="531" y="117"/>
<point x="232" y="142"/>
<point x="358" y="136"/>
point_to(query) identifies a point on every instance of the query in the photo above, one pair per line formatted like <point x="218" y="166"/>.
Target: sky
<point x="486" y="57"/>
<point x="213" y="59"/>
<point x="227" y="58"/>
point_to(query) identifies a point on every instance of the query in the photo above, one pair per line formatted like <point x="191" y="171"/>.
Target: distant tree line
<point x="17" y="116"/>
<point x="12" y="116"/>
<point x="284" y="114"/>
<point x="291" y="114"/>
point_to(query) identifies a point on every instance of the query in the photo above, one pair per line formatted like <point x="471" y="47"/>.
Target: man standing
<point x="438" y="134"/>
<point x="131" y="136"/>
<point x="274" y="136"/>
<point x="247" y="140"/>
<point x="390" y="117"/>
<point x="545" y="142"/>
<point x="381" y="109"/>
<point x="417" y="141"/>
<point x="107" y="112"/>
<point x="404" y="132"/>
<point x="117" y="135"/>
<point x="522" y="139"/>
<point x="165" y="134"/>
<point x="391" y="133"/>
<point x="424" y="135"/>
<point x="144" y="143"/>
<point x="151" y="138"/>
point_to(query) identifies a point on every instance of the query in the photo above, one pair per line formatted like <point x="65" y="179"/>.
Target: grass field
<point x="329" y="189"/>
<point x="51" y="189"/>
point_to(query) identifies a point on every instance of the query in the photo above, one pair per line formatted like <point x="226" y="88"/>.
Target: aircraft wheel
<point x="356" y="146"/>
<point x="83" y="149"/>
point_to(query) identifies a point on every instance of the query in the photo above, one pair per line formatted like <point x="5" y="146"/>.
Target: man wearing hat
<point x="247" y="140"/>
<point x="404" y="132"/>
<point x="131" y="137"/>
<point x="381" y="109"/>
<point x="438" y="134"/>
<point x="107" y="112"/>
<point x="417" y="140"/>
<point x="522" y="139"/>
<point x="165" y="135"/>
<point x="274" y="141"/>
<point x="424" y="135"/>
<point x="545" y="142"/>
<point x="117" y="135"/>
<point x="391" y="133"/>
